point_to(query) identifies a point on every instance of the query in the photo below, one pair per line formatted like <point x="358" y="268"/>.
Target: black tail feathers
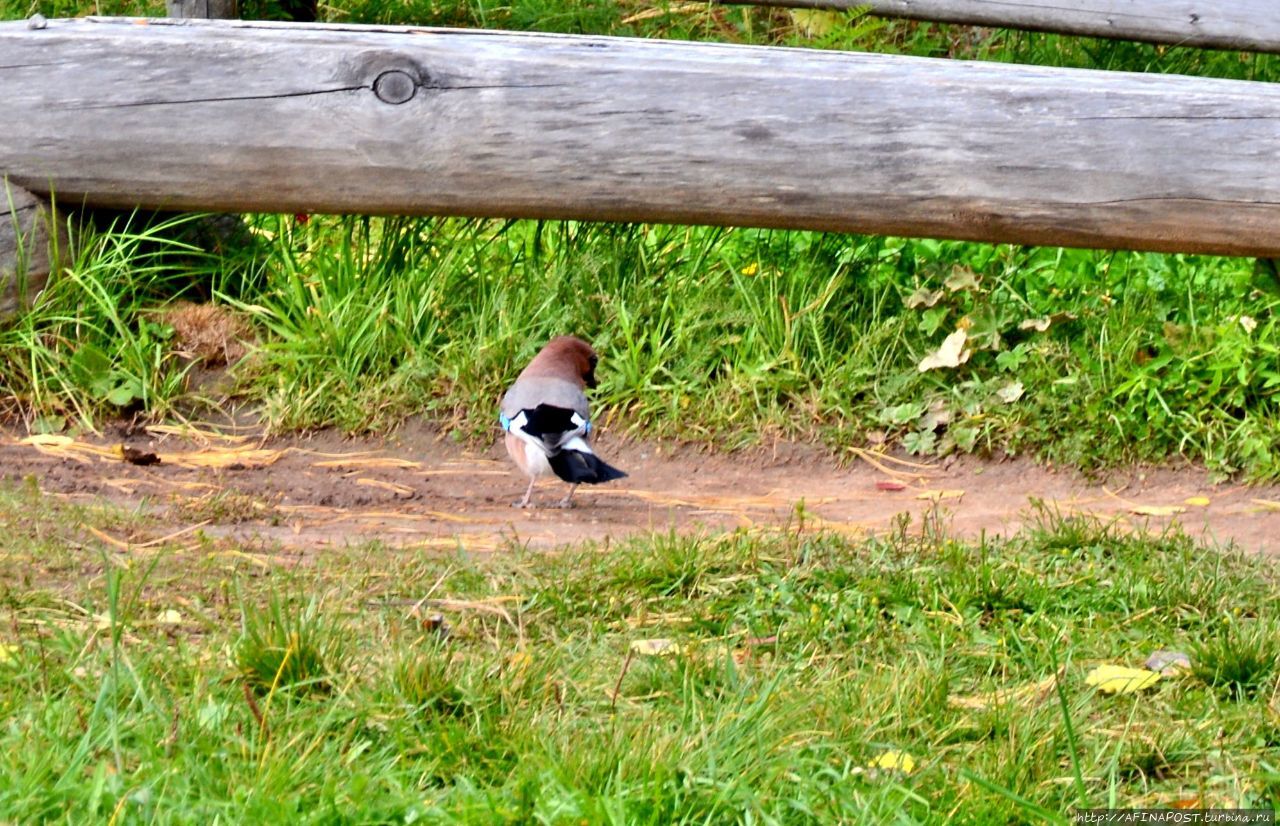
<point x="577" y="467"/>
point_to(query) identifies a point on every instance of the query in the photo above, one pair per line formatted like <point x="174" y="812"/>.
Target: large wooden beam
<point x="355" y="119"/>
<point x="1247" y="25"/>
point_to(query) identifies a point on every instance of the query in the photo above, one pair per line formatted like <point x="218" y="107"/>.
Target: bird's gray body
<point x="530" y="391"/>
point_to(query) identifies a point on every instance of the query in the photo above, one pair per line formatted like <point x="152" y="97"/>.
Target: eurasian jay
<point x="547" y="420"/>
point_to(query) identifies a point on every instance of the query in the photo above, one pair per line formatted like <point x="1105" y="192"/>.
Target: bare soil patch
<point x="415" y="489"/>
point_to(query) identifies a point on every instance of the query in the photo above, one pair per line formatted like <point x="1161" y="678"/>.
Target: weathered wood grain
<point x="297" y="118"/>
<point x="26" y="254"/>
<point x="1247" y="25"/>
<point x="203" y="9"/>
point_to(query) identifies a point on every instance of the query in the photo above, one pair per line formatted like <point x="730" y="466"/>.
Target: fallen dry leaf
<point x="1118" y="679"/>
<point x="1010" y="393"/>
<point x="952" y="353"/>
<point x="655" y="648"/>
<point x="890" y="484"/>
<point x="169" y="617"/>
<point x="895" y="761"/>
<point x="1197" y="501"/>
<point x="961" y="278"/>
<point x="1042" y="324"/>
<point x="923" y="297"/>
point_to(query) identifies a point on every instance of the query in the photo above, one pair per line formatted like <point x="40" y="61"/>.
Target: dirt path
<point x="417" y="490"/>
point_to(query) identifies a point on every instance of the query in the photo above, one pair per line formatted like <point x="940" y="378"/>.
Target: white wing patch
<point x="518" y="422"/>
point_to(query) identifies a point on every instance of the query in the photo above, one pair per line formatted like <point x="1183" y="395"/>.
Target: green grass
<point x="151" y="686"/>
<point x="313" y="693"/>
<point x="725" y="337"/>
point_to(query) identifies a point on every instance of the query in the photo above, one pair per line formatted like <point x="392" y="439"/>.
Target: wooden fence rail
<point x="1246" y="25"/>
<point x="232" y="116"/>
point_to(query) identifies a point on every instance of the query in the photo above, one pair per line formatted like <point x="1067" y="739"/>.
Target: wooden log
<point x="1246" y="25"/>
<point x="298" y="118"/>
<point x="31" y="242"/>
<point x="202" y="9"/>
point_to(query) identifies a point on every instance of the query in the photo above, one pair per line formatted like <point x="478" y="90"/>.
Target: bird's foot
<point x="526" y="502"/>
<point x="567" y="501"/>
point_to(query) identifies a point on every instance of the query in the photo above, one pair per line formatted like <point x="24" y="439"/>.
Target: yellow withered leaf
<point x="1118" y="679"/>
<point x="8" y="653"/>
<point x="1197" y="501"/>
<point x="894" y="761"/>
<point x="169" y="617"/>
<point x="655" y="648"/>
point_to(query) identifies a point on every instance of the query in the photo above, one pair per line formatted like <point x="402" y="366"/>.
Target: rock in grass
<point x="1168" y="663"/>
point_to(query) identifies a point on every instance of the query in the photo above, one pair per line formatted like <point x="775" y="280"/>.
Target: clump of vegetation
<point x="425" y="679"/>
<point x="224" y="506"/>
<point x="285" y="645"/>
<point x="1241" y="659"/>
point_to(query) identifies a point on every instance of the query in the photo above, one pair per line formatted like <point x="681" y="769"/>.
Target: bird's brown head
<point x="568" y="357"/>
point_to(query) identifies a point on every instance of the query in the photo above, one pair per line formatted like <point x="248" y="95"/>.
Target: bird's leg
<point x="565" y="503"/>
<point x="524" y="503"/>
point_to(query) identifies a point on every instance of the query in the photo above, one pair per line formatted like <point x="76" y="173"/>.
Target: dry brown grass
<point x="211" y="333"/>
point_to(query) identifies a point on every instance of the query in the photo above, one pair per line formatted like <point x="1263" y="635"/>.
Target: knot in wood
<point x="395" y="87"/>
